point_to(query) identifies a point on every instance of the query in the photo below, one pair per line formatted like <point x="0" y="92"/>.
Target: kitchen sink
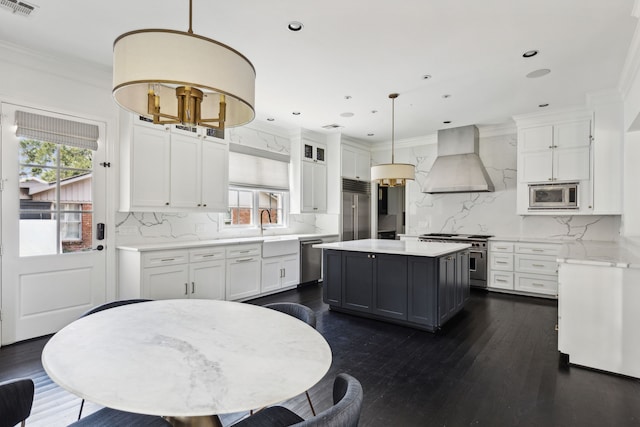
<point x="279" y="245"/>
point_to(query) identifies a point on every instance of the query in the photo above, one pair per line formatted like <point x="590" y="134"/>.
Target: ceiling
<point x="350" y="55"/>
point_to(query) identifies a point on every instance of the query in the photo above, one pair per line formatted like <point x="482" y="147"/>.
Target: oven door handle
<point x="477" y="252"/>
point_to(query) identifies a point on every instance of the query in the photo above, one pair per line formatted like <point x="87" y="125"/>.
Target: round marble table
<point x="187" y="358"/>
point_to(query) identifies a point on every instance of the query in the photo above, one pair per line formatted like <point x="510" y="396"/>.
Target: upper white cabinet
<point x="309" y="173"/>
<point x="171" y="168"/>
<point x="555" y="152"/>
<point x="356" y="163"/>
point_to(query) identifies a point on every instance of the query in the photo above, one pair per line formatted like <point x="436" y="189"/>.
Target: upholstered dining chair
<point x="16" y="399"/>
<point x="107" y="417"/>
<point x="301" y="312"/>
<point x="103" y="307"/>
<point x="345" y="412"/>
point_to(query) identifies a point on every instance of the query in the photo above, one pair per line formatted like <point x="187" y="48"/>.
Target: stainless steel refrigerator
<point x="356" y="209"/>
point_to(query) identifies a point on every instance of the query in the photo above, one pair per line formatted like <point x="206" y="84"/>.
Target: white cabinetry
<point x="243" y="271"/>
<point x="280" y="272"/>
<point x="356" y="163"/>
<point x="555" y="148"/>
<point x="309" y="174"/>
<point x="171" y="169"/>
<point x="523" y="267"/>
<point x="172" y="274"/>
<point x="559" y="152"/>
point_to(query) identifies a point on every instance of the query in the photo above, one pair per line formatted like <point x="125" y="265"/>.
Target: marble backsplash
<point x="488" y="213"/>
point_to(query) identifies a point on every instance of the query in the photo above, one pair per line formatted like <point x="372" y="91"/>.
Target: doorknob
<point x="99" y="248"/>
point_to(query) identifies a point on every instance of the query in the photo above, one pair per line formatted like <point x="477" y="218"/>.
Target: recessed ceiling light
<point x="530" y="53"/>
<point x="295" y="26"/>
<point x="426" y="77"/>
<point x="347" y="97"/>
<point x="538" y="73"/>
<point x="445" y="96"/>
<point x="446" y="122"/>
<point x="543" y="105"/>
<point x="346" y="115"/>
<point x="374" y="111"/>
<point x="296" y="113"/>
<point x="370" y="134"/>
<point x="270" y="119"/>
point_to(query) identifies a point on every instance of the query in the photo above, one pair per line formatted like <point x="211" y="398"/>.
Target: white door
<point x="53" y="199"/>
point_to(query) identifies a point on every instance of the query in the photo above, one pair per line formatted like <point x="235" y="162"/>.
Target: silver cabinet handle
<point x="538" y="284"/>
<point x="244" y="260"/>
<point x="501" y="262"/>
<point x="186" y="289"/>
<point x="208" y="255"/>
<point x="501" y="280"/>
<point x="193" y="287"/>
<point x="167" y="259"/>
<point x="537" y="250"/>
<point x="538" y="265"/>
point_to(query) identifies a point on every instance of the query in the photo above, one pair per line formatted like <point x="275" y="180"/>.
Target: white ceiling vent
<point x="18" y="7"/>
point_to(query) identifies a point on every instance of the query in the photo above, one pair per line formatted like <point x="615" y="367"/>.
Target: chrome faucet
<point x="262" y="216"/>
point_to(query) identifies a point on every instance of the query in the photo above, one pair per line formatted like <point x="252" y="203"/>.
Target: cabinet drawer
<point x="501" y="280"/>
<point x="243" y="251"/>
<point x="500" y="261"/>
<point x="506" y="247"/>
<point x="547" y="285"/>
<point x="537" y="248"/>
<point x="155" y="259"/>
<point x="206" y="254"/>
<point x="539" y="264"/>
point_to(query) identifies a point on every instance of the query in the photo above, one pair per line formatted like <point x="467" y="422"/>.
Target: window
<point x="246" y="205"/>
<point x="71" y="222"/>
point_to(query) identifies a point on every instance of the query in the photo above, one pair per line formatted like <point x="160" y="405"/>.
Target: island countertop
<point x="398" y="247"/>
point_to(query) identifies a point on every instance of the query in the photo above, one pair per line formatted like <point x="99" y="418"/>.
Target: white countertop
<point x="188" y="357"/>
<point x="398" y="247"/>
<point x="624" y="253"/>
<point x="187" y="244"/>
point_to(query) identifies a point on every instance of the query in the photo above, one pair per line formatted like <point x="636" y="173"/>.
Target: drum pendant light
<point x="392" y="174"/>
<point x="181" y="77"/>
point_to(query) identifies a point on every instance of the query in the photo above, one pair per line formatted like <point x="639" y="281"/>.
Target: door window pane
<point x="56" y="201"/>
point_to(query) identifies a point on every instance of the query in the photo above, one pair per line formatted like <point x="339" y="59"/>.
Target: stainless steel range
<point x="477" y="253"/>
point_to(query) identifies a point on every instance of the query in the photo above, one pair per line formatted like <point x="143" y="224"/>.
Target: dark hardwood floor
<point x="495" y="364"/>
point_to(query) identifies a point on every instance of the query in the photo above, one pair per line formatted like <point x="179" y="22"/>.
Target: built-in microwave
<point x="553" y="196"/>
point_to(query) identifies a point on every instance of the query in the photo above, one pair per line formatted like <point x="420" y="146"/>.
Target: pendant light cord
<point x="190" y="15"/>
<point x="393" y="97"/>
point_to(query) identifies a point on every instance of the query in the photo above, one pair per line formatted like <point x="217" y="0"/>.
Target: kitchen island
<point x="416" y="284"/>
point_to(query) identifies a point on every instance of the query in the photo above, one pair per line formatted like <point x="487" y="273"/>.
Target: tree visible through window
<point x="56" y="207"/>
<point x="246" y="206"/>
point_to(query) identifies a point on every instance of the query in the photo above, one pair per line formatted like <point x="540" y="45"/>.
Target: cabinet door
<point x="307" y="187"/>
<point x="243" y="278"/>
<point x="150" y="167"/>
<point x="215" y="175"/>
<point x="537" y="166"/>
<point x="446" y="287"/>
<point x="332" y="277"/>
<point x="185" y="171"/>
<point x="320" y="188"/>
<point x="290" y="271"/>
<point x="462" y="279"/>
<point x="167" y="282"/>
<point x="423" y="291"/>
<point x="271" y="274"/>
<point x="572" y="134"/>
<point x="390" y="286"/>
<point x="348" y="163"/>
<point x="363" y="166"/>
<point x="571" y="164"/>
<point x="207" y="280"/>
<point x="357" y="281"/>
<point x="538" y="138"/>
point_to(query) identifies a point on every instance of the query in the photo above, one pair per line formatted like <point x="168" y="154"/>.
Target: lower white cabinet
<point x="243" y="271"/>
<point x="280" y="272"/>
<point x="173" y="274"/>
<point x="523" y="267"/>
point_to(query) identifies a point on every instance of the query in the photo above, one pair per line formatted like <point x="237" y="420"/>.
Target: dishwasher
<point x="310" y="261"/>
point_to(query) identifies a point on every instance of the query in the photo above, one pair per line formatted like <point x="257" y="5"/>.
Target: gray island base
<point x="416" y="284"/>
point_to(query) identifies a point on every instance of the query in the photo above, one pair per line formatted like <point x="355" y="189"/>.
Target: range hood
<point x="458" y="168"/>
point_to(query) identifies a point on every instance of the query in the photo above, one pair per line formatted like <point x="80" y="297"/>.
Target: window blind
<point x="252" y="167"/>
<point x="55" y="130"/>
